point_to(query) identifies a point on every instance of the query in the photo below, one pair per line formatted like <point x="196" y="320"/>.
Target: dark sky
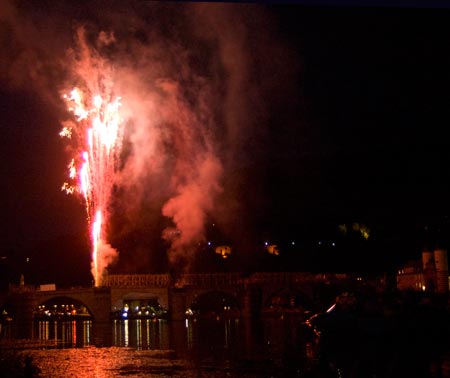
<point x="375" y="87"/>
<point x="320" y="116"/>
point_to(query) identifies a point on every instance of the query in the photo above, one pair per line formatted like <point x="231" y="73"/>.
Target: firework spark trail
<point x="94" y="170"/>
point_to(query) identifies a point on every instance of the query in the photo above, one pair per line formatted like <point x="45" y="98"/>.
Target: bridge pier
<point x="101" y="304"/>
<point x="251" y="301"/>
<point x="20" y="306"/>
<point x="177" y="303"/>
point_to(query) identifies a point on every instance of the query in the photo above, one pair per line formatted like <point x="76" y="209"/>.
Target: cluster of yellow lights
<point x="273" y="249"/>
<point x="224" y="251"/>
<point x="356" y="227"/>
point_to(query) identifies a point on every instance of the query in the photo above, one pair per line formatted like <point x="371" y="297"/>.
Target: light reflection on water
<point x="66" y="334"/>
<point x="108" y="362"/>
<point x="141" y="333"/>
<point x="157" y="348"/>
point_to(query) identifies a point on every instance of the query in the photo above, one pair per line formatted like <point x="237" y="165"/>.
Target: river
<point x="272" y="347"/>
<point x="267" y="347"/>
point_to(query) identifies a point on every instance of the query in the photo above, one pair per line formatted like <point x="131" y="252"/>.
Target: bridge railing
<point x="210" y="279"/>
<point x="19" y="289"/>
<point x="281" y="277"/>
<point x="116" y="280"/>
<point x="213" y="279"/>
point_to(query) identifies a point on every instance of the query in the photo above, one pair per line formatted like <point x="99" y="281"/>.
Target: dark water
<point x="273" y="347"/>
<point x="229" y="348"/>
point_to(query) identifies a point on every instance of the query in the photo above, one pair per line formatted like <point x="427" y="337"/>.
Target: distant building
<point x="410" y="276"/>
<point x="430" y="274"/>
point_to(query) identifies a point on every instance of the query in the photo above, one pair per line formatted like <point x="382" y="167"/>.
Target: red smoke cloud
<point x="194" y="199"/>
<point x="194" y="81"/>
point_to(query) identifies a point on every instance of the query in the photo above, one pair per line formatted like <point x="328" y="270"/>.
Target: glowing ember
<point x="94" y="168"/>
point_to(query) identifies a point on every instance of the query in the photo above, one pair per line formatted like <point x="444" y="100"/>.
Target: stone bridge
<point x="251" y="293"/>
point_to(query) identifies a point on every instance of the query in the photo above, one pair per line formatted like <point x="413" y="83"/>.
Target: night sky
<point x="318" y="116"/>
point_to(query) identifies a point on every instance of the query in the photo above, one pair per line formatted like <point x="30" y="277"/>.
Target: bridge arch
<point x="96" y="300"/>
<point x="121" y="295"/>
<point x="62" y="306"/>
<point x="213" y="303"/>
<point x="287" y="298"/>
<point x="138" y="304"/>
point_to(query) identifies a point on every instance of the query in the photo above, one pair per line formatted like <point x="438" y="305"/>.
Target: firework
<point x="98" y="124"/>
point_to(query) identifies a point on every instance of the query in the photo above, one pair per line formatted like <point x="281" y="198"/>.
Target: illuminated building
<point x="431" y="274"/>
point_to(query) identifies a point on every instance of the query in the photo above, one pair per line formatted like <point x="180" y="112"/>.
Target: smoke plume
<point x="195" y="81"/>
